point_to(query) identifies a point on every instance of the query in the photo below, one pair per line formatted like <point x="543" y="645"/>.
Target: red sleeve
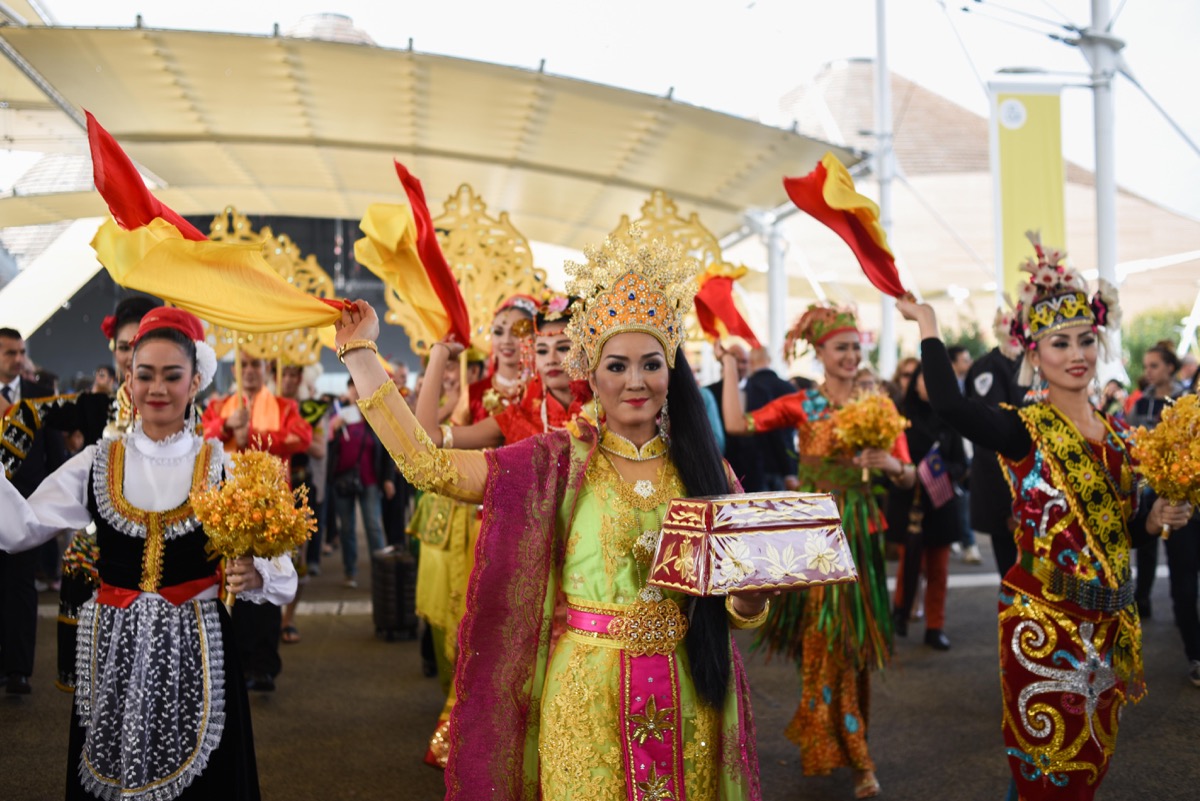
<point x="900" y="449"/>
<point x="783" y="412"/>
<point x="475" y="399"/>
<point x="212" y="421"/>
<point x="290" y="422"/>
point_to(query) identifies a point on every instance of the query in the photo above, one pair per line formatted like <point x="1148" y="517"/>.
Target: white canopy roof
<point x="279" y="125"/>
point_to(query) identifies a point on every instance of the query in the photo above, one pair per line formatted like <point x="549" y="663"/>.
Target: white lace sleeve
<point x="58" y="504"/>
<point x="279" y="582"/>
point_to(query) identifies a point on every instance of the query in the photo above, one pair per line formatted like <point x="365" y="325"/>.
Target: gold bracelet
<point x="355" y="344"/>
<point x="740" y="622"/>
<point x="447" y="436"/>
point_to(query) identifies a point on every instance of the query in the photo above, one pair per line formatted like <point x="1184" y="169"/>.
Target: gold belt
<point x="641" y="628"/>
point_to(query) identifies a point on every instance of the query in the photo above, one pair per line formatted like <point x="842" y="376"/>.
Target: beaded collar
<point x="617" y="445"/>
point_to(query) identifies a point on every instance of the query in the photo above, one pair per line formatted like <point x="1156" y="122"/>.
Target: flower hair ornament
<point x="1056" y="297"/>
<point x="1002" y="328"/>
<point x="819" y="322"/>
<point x="189" y="325"/>
<point x="648" y="288"/>
<point x="554" y="307"/>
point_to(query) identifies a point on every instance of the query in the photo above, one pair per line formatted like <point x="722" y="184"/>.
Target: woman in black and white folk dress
<point x="160" y="708"/>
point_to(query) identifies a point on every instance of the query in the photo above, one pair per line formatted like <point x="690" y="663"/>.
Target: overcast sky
<point x="740" y="56"/>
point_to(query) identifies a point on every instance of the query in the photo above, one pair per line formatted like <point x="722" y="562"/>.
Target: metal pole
<point x="777" y="292"/>
<point x="884" y="171"/>
<point x="1100" y="49"/>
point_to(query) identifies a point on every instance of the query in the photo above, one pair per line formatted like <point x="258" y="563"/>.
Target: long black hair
<point x="702" y="471"/>
<point x="132" y="310"/>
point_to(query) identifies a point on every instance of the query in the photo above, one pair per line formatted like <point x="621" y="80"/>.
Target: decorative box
<point x="757" y="541"/>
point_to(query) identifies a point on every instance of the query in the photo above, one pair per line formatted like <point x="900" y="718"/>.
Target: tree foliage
<point x="1147" y="329"/>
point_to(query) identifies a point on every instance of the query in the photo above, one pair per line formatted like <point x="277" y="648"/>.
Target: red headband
<point x="167" y="317"/>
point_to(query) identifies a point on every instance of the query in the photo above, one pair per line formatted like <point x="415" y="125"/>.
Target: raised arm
<point x="58" y="504"/>
<point x="990" y="426"/>
<point x="484" y="434"/>
<point x="732" y="413"/>
<point x="458" y="474"/>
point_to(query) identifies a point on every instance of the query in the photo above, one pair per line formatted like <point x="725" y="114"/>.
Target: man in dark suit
<point x="777" y="449"/>
<point x="993" y="380"/>
<point x="759" y="461"/>
<point x="44" y="452"/>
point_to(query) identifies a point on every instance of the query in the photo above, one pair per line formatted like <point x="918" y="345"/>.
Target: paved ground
<point x="352" y="713"/>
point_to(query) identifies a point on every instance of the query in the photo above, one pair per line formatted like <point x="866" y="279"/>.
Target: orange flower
<point x="1169" y="454"/>
<point x="253" y="512"/>
<point x="869" y="421"/>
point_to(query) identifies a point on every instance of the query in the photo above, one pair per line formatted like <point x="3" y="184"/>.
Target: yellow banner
<point x="1027" y="166"/>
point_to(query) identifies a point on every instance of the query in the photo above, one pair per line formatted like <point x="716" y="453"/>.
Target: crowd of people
<point x="533" y="480"/>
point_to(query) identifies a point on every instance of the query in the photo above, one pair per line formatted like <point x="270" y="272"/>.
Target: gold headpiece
<point x="650" y="290"/>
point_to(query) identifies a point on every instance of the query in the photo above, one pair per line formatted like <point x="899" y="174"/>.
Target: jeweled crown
<point x="649" y="289"/>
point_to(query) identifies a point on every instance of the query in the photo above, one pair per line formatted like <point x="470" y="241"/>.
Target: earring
<point x="189" y="419"/>
<point x="664" y="423"/>
<point x="1039" y="385"/>
<point x="599" y="419"/>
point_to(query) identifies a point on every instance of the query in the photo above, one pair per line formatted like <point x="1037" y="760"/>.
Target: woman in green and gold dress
<point x="606" y="717"/>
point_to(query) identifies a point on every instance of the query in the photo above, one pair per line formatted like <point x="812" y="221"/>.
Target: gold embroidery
<point x="426" y="466"/>
<point x="156" y="523"/>
<point x="700" y="755"/>
<point x="1040" y="731"/>
<point x="653" y="722"/>
<point x="656" y="788"/>
<point x="1093" y="497"/>
<point x="581" y="756"/>
<point x="617" y="445"/>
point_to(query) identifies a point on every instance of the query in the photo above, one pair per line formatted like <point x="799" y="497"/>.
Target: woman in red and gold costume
<point x="448" y="528"/>
<point x="507" y="374"/>
<point x="550" y="400"/>
<point x="608" y="716"/>
<point x="839" y="633"/>
<point x="1070" y="639"/>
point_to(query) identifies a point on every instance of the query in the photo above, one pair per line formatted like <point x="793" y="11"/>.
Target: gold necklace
<point x="617" y="445"/>
<point x="644" y="496"/>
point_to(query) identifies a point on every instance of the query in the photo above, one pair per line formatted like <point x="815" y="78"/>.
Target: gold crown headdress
<point x="649" y="289"/>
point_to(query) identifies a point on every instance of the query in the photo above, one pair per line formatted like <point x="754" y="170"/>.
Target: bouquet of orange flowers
<point x="1169" y="454"/>
<point x="869" y="420"/>
<point x="253" y="513"/>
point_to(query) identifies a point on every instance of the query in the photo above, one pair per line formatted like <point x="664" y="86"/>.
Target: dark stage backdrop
<point x="71" y="345"/>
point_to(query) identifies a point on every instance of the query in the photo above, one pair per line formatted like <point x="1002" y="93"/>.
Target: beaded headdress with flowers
<point x="1056" y="297"/>
<point x="819" y="322"/>
<point x="554" y="307"/>
<point x="649" y="288"/>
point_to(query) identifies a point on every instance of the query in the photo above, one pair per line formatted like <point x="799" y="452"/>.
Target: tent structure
<point x="942" y="213"/>
<point x="308" y="127"/>
<point x="303" y="126"/>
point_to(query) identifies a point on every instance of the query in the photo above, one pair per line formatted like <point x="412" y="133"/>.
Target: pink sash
<point x="651" y="730"/>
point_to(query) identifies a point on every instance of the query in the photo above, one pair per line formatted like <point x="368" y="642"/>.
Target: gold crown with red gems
<point x="646" y="288"/>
